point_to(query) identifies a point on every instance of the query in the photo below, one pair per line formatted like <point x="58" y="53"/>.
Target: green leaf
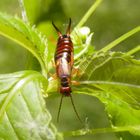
<point x="26" y="36"/>
<point x="23" y="113"/>
<point x="114" y="78"/>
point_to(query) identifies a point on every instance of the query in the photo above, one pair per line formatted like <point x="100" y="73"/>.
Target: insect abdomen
<point x="64" y="62"/>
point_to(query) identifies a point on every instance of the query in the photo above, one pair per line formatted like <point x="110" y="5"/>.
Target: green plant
<point x="112" y="77"/>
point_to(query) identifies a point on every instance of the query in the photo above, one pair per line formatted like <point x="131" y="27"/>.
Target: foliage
<point x="23" y="114"/>
<point x="112" y="77"/>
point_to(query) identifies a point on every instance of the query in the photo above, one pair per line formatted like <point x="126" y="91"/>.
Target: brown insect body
<point x="64" y="63"/>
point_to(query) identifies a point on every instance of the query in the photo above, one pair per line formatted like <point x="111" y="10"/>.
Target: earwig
<point x="64" y="59"/>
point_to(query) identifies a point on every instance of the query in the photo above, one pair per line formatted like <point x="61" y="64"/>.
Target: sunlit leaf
<point x="115" y="79"/>
<point x="23" y="114"/>
<point x="25" y="35"/>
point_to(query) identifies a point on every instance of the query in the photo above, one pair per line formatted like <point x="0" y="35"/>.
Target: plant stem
<point x="82" y="132"/>
<point x="120" y="39"/>
<point x="88" y="13"/>
<point x="135" y="50"/>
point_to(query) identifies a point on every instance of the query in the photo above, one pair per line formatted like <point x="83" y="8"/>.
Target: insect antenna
<point x="58" y="31"/>
<point x="59" y="108"/>
<point x="75" y="109"/>
<point x="69" y="26"/>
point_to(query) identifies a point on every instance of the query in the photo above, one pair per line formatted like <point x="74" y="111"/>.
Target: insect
<point x="64" y="59"/>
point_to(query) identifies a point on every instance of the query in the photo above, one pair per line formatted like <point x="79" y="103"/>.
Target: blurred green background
<point x="112" y="19"/>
